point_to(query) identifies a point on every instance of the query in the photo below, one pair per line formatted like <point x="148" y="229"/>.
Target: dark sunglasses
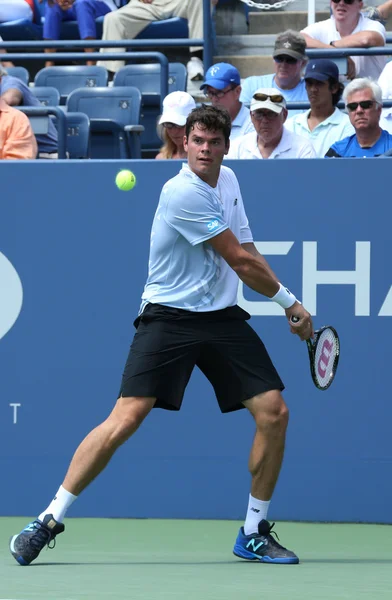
<point x="365" y="104"/>
<point x="289" y="60"/>
<point x="345" y="1"/>
<point x="171" y="126"/>
<point x="275" y="98"/>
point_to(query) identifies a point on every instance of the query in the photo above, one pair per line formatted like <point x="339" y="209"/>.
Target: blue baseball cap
<point x="321" y="69"/>
<point x="221" y="75"/>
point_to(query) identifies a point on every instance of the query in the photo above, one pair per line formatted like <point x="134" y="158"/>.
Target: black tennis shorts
<point x="169" y="342"/>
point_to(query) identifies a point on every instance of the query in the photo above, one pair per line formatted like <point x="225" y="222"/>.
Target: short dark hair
<point x="338" y="94"/>
<point x="211" y="118"/>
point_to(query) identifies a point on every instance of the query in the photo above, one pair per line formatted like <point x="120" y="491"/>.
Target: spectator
<point x="16" y="93"/>
<point x="379" y="13"/>
<point x="363" y="100"/>
<point x="271" y="139"/>
<point x="385" y="83"/>
<point x="324" y="123"/>
<point x="126" y="22"/>
<point x="222" y="86"/>
<point x="13" y="10"/>
<point x="176" y="108"/>
<point x="289" y="61"/>
<point x="83" y="11"/>
<point x="16" y="135"/>
<point x="348" y="28"/>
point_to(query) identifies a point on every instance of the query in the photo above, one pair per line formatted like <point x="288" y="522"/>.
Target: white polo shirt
<point x="290" y="146"/>
<point x="242" y="124"/>
<point x="366" y="66"/>
<point x="336" y="127"/>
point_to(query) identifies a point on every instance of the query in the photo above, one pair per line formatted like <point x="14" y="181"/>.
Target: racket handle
<point x="294" y="319"/>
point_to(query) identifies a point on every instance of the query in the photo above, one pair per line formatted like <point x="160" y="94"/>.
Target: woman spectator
<point x="176" y="108"/>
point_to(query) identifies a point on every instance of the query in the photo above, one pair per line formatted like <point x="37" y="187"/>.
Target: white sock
<point x="59" y="505"/>
<point x="257" y="510"/>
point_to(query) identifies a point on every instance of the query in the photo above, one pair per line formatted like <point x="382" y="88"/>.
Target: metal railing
<point x="45" y="111"/>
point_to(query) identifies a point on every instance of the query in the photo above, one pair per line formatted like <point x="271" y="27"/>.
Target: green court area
<point x="125" y="559"/>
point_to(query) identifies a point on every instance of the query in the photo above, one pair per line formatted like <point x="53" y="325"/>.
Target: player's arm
<point x="257" y="274"/>
<point x="251" y="248"/>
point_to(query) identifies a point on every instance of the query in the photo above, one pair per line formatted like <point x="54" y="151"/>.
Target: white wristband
<point x="284" y="297"/>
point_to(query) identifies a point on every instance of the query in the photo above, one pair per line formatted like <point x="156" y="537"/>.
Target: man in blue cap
<point x="222" y="86"/>
<point x="323" y="124"/>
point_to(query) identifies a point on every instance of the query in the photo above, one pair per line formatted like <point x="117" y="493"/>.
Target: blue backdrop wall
<point x="73" y="259"/>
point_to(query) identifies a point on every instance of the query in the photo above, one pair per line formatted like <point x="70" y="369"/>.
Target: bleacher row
<point x="116" y="121"/>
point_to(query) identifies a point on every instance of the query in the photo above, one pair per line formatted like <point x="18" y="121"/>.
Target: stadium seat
<point x="69" y="78"/>
<point x="48" y="96"/>
<point x="146" y="78"/>
<point x="78" y="135"/>
<point x="114" y="115"/>
<point x="19" y="72"/>
<point x="23" y="29"/>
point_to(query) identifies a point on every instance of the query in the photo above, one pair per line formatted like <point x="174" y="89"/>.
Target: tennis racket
<point x="324" y="351"/>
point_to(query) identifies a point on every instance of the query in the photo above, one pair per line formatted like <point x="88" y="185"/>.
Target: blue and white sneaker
<point x="26" y="546"/>
<point x="263" y="547"/>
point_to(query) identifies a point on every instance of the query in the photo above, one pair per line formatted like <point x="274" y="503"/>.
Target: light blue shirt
<point x="336" y="127"/>
<point x="184" y="271"/>
<point x="251" y="84"/>
<point x="242" y="124"/>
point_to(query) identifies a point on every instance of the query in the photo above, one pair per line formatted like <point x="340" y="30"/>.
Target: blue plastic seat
<point x="23" y="29"/>
<point x="146" y="78"/>
<point x="19" y="72"/>
<point x="114" y="115"/>
<point x="78" y="135"/>
<point x="69" y="78"/>
<point x="48" y="96"/>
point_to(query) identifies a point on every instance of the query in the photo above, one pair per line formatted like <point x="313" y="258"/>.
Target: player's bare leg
<point x="89" y="460"/>
<point x="255" y="541"/>
<point x="96" y="450"/>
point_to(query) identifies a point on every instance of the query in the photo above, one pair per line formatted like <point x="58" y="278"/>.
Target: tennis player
<point x="201" y="245"/>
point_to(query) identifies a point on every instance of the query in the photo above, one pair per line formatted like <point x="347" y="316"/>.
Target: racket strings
<point x="325" y="355"/>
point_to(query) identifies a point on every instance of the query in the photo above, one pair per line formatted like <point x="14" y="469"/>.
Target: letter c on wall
<point x="11" y="295"/>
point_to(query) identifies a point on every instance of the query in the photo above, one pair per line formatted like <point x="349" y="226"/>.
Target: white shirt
<point x="366" y="66"/>
<point x="242" y="124"/>
<point x="385" y="81"/>
<point x="290" y="146"/>
<point x="336" y="127"/>
<point x="183" y="271"/>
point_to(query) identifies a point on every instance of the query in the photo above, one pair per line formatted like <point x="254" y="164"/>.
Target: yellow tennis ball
<point x="125" y="180"/>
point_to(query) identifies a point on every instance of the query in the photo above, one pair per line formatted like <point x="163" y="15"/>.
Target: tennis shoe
<point x="195" y="69"/>
<point x="263" y="546"/>
<point x="26" y="546"/>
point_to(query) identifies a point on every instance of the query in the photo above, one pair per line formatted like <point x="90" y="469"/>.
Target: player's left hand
<point x="304" y="326"/>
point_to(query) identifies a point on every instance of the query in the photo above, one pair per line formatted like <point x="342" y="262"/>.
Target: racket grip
<point x="294" y="319"/>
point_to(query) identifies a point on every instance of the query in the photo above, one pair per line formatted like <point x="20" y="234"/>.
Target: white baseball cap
<point x="269" y="99"/>
<point x="176" y="108"/>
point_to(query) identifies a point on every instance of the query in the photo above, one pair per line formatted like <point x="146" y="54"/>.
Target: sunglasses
<point x="365" y="104"/>
<point x="275" y="98"/>
<point x="345" y="1"/>
<point x="211" y="94"/>
<point x="171" y="126"/>
<point x="258" y="115"/>
<point x="289" y="60"/>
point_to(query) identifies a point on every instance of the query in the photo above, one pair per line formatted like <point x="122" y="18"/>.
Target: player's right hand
<point x="304" y="326"/>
